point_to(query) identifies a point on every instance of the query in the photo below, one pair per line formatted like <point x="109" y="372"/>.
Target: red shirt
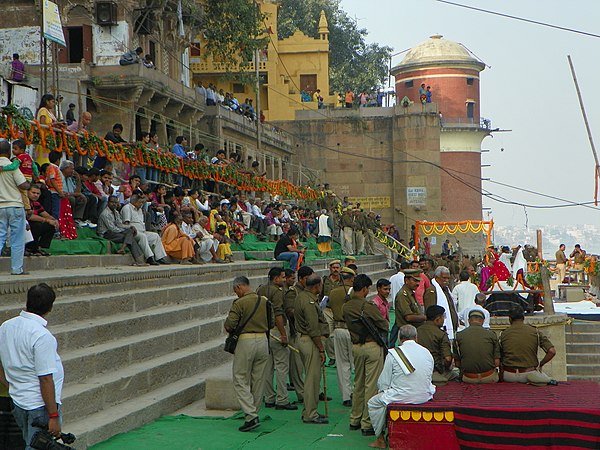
<point x="383" y="306"/>
<point x="26" y="165"/>
<point x="93" y="188"/>
<point x="37" y="208"/>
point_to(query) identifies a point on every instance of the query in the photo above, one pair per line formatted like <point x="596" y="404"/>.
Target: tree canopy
<point x="353" y="63"/>
<point x="234" y="29"/>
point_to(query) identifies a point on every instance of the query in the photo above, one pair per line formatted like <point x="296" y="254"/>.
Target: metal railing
<point x="465" y="122"/>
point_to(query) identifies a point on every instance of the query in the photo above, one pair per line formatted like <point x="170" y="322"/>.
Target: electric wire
<point x="522" y="19"/>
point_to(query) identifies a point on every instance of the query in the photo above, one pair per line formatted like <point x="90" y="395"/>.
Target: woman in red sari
<point x="493" y="268"/>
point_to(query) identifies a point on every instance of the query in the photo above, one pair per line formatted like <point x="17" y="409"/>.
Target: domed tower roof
<point x="437" y="51"/>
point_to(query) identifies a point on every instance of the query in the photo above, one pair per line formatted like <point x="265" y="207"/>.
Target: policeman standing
<point x="254" y="315"/>
<point x="289" y="305"/>
<point x="343" y="344"/>
<point x="279" y="359"/>
<point x="408" y="311"/>
<point x="329" y="282"/>
<point x="477" y="351"/>
<point x="311" y="327"/>
<point x="368" y="355"/>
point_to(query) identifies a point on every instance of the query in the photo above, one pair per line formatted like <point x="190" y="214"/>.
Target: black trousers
<point x="42" y="235"/>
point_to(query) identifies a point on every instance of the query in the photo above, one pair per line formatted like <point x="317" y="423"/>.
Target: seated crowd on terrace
<point x="153" y="213"/>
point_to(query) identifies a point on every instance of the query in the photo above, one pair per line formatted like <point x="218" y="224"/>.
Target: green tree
<point x="352" y="63"/>
<point x="234" y="30"/>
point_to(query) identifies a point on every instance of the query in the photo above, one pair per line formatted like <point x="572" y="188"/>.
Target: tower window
<point x="470" y="81"/>
<point x="408" y="84"/>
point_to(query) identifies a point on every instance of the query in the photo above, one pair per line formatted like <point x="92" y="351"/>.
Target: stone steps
<point x="34" y="263"/>
<point x="581" y="338"/>
<point x="102" y="425"/>
<point x="86" y="362"/>
<point x="93" y="281"/>
<point x="136" y="342"/>
<point x="583" y="351"/>
<point x="583" y="358"/>
<point x="129" y="382"/>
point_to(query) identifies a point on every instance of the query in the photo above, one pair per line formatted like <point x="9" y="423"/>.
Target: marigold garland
<point x="14" y="126"/>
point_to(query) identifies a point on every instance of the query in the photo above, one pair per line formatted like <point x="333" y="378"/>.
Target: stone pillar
<point x="272" y="165"/>
<point x="280" y="169"/>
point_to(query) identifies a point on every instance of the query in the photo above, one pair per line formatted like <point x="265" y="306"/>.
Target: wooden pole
<point x="548" y="302"/>
<point x="539" y="244"/>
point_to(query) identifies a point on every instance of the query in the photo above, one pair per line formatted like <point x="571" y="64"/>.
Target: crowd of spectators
<point x="214" y="96"/>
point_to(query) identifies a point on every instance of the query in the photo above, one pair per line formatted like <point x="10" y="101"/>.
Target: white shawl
<point x="442" y="301"/>
<point x="505" y="259"/>
<point x="520" y="263"/>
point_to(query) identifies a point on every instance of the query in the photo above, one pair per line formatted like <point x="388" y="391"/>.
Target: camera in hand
<point x="43" y="440"/>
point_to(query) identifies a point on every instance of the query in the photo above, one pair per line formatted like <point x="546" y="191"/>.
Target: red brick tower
<point x="453" y="74"/>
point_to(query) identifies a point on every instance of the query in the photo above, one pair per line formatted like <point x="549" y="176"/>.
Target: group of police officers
<point x="289" y="326"/>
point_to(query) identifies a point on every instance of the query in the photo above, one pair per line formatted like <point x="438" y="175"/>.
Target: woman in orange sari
<point x="177" y="244"/>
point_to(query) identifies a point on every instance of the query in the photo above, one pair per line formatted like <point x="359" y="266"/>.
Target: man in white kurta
<point x="406" y="378"/>
<point x="465" y="292"/>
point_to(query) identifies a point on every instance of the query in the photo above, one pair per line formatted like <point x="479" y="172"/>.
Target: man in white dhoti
<point x="406" y="378"/>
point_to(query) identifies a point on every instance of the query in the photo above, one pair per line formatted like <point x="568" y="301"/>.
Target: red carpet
<point x="500" y="416"/>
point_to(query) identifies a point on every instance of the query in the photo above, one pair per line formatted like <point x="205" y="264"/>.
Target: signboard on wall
<point x="52" y="26"/>
<point x="371" y="202"/>
<point x="416" y="196"/>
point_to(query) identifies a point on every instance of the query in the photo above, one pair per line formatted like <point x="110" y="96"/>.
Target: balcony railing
<point x="269" y="133"/>
<point x="465" y="122"/>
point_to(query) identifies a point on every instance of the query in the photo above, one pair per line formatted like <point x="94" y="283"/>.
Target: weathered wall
<point x="378" y="156"/>
<point x="23" y="40"/>
<point x="110" y="43"/>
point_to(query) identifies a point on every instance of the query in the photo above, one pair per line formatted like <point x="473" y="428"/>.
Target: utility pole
<point x="587" y="127"/>
<point x="43" y="52"/>
<point x="257" y="110"/>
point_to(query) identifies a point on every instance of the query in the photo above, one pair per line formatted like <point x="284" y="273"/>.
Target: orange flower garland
<point x="61" y="140"/>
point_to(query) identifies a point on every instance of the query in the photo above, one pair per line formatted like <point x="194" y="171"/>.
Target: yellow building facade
<point x="286" y="67"/>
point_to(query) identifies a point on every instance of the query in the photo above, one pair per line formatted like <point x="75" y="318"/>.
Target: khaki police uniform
<point x="519" y="346"/>
<point x="476" y="349"/>
<point x="436" y="341"/>
<point x="370" y="235"/>
<point x="310" y="323"/>
<point x="296" y="367"/>
<point x="430" y="298"/>
<point x="406" y="304"/>
<point x="368" y="356"/>
<point x="279" y="360"/>
<point x="343" y="344"/>
<point x="252" y="351"/>
<point x="328" y="285"/>
<point x="561" y="265"/>
<point x="347" y="224"/>
<point x="360" y="228"/>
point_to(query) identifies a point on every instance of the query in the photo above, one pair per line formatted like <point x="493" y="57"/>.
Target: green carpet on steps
<point x="277" y="430"/>
<point x="253" y="244"/>
<point x="87" y="243"/>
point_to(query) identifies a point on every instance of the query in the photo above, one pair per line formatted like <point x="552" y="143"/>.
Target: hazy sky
<point x="528" y="90"/>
